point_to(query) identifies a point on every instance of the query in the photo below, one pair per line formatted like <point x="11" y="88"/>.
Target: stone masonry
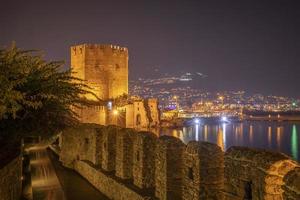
<point x="203" y="174"/>
<point x="109" y="148"/>
<point x="291" y="185"/>
<point x="143" y="159"/>
<point x="142" y="166"/>
<point x="256" y="174"/>
<point x="10" y="180"/>
<point x="82" y="143"/>
<point x="124" y="153"/>
<point x="104" y="69"/>
<point x="168" y="168"/>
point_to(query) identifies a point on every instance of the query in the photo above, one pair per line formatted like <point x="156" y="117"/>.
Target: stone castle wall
<point x="126" y="164"/>
<point x="92" y="114"/>
<point x="259" y="174"/>
<point x="152" y="105"/>
<point x="10" y="180"/>
<point x="142" y="114"/>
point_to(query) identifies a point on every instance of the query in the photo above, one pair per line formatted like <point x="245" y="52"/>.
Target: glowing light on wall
<point x="294" y="143"/>
<point x="115" y="112"/>
<point x="109" y="105"/>
<point x="175" y="133"/>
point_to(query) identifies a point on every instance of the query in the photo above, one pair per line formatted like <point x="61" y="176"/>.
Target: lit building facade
<point x="104" y="68"/>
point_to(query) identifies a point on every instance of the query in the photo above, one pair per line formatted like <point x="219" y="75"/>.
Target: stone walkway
<point x="75" y="187"/>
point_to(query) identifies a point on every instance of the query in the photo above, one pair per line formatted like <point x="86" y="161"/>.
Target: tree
<point x="36" y="96"/>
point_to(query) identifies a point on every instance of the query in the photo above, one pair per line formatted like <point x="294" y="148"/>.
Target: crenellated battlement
<point x="79" y="49"/>
<point x="144" y="166"/>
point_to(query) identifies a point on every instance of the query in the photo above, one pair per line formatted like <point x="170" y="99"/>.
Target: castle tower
<point x="104" y="67"/>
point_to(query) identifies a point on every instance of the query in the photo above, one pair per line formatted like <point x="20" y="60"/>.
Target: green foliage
<point x="36" y="96"/>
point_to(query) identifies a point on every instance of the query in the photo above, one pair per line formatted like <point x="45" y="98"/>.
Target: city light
<point x="197" y="121"/>
<point x="224" y="119"/>
<point x="109" y="105"/>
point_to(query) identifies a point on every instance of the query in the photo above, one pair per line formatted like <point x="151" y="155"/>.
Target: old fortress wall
<point x="125" y="164"/>
<point x="11" y="179"/>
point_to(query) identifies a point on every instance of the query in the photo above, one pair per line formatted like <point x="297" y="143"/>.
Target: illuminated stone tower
<point x="104" y="67"/>
<point x="105" y="70"/>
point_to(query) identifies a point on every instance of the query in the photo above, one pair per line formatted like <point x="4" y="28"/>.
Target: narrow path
<point x="45" y="184"/>
<point x="75" y="187"/>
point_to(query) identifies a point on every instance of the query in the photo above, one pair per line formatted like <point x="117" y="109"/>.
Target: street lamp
<point x="197" y="121"/>
<point x="115" y="112"/>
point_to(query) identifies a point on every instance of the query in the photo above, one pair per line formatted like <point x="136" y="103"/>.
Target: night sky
<point x="240" y="45"/>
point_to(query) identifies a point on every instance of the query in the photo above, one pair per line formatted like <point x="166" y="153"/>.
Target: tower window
<point x="117" y="67"/>
<point x="248" y="190"/>
<point x="86" y="141"/>
<point x="138" y="156"/>
<point x="190" y="173"/>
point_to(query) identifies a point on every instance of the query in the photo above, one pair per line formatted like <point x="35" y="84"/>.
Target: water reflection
<point x="279" y="136"/>
<point x="269" y="136"/>
<point x="251" y="134"/>
<point x="197" y="132"/>
<point x="220" y="139"/>
<point x="294" y="143"/>
<point x="205" y="132"/>
<point x="224" y="135"/>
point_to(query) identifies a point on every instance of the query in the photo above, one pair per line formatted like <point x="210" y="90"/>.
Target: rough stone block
<point x="203" y="171"/>
<point x="10" y="180"/>
<point x="168" y="168"/>
<point x="256" y="174"/>
<point x="106" y="184"/>
<point x="124" y="153"/>
<point x="292" y="185"/>
<point x="81" y="143"/>
<point x="109" y="148"/>
<point x="143" y="159"/>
